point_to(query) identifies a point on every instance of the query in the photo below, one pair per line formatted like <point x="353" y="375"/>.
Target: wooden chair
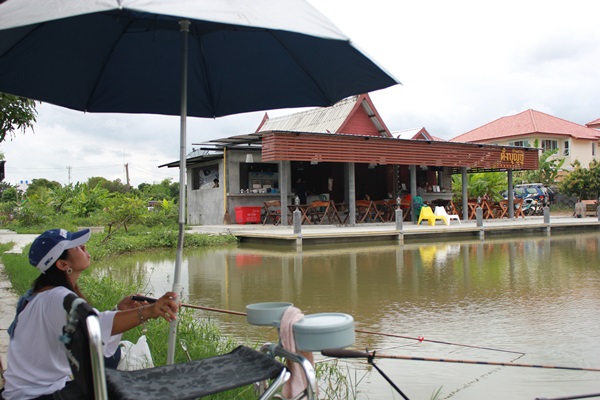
<point x="519" y="208"/>
<point x="488" y="209"/>
<point x="427" y="214"/>
<point x="387" y="209"/>
<point x="453" y="209"/>
<point x="503" y="212"/>
<point x="272" y="211"/>
<point x="319" y="210"/>
<point x="363" y="210"/>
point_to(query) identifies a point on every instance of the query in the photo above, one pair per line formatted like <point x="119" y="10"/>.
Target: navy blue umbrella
<point x="203" y="58"/>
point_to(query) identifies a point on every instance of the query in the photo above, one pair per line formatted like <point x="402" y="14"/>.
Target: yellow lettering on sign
<point x="516" y="158"/>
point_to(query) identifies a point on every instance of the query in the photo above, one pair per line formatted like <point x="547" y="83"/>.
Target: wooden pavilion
<point x="340" y="153"/>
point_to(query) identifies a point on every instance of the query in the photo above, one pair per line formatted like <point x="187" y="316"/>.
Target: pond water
<point x="535" y="295"/>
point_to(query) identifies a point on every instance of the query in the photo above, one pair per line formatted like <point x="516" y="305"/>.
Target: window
<point x="520" y="143"/>
<point x="549" y="145"/>
<point x="593" y="149"/>
<point x="566" y="149"/>
<point x="259" y="176"/>
<point x="204" y="177"/>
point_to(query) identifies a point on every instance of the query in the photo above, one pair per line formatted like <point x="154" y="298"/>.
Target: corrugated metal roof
<point x="316" y="120"/>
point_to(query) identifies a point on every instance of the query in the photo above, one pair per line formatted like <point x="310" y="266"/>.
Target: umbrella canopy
<point x="206" y="58"/>
<point x="124" y="56"/>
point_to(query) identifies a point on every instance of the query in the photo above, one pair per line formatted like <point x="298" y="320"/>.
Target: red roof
<point x="527" y="123"/>
<point x="594" y="124"/>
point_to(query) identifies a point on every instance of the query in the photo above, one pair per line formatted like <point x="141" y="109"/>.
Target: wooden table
<point x="472" y="209"/>
<point x="387" y="209"/>
<point x="366" y="210"/>
<point x="303" y="209"/>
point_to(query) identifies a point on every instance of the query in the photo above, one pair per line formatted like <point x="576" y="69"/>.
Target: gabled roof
<point x="416" y="134"/>
<point x="527" y="123"/>
<point x="355" y="115"/>
<point x="594" y="124"/>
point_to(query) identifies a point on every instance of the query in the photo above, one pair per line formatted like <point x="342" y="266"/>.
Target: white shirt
<point x="37" y="361"/>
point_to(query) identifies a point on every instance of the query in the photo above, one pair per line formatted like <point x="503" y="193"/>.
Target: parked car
<point x="536" y="191"/>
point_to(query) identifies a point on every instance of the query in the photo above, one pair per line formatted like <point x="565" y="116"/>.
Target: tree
<point x="38" y="184"/>
<point x="16" y="114"/>
<point x="584" y="183"/>
<point x="115" y="186"/>
<point x="480" y="184"/>
<point x="547" y="172"/>
<point x="164" y="190"/>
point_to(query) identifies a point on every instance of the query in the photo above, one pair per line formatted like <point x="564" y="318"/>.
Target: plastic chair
<point x="417" y="204"/>
<point x="83" y="341"/>
<point x="441" y="211"/>
<point x="427" y="214"/>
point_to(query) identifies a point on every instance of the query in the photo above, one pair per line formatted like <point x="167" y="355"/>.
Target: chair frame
<point x="318" y="210"/>
<point x="272" y="212"/>
<point x="82" y="315"/>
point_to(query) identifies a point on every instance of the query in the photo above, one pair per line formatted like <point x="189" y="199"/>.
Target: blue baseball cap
<point x="47" y="247"/>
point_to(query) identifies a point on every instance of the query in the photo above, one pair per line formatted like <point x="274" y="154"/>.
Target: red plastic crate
<point x="247" y="215"/>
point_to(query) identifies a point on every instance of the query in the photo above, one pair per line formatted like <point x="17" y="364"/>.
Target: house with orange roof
<point x="595" y="124"/>
<point x="573" y="141"/>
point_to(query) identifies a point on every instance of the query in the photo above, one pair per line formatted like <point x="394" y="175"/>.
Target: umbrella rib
<point x="204" y="68"/>
<point x="105" y="63"/>
<point x="301" y="64"/>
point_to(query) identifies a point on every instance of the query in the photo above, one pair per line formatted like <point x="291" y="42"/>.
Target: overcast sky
<point x="462" y="64"/>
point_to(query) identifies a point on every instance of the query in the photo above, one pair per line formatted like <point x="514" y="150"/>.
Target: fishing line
<point x="420" y="338"/>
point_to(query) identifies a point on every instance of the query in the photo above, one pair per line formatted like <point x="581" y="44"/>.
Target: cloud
<point x="462" y="64"/>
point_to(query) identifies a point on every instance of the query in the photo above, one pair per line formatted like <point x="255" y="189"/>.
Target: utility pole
<point x="69" y="173"/>
<point x="127" y="176"/>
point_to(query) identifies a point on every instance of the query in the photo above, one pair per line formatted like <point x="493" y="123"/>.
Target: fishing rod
<point x="420" y="338"/>
<point x="153" y="300"/>
<point x="580" y="396"/>
<point x="343" y="353"/>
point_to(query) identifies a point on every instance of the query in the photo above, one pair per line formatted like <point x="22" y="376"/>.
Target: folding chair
<point x="83" y="342"/>
<point x="519" y="203"/>
<point x="319" y="210"/>
<point x="272" y="212"/>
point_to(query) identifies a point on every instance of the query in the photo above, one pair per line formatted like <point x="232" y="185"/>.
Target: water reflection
<point x="536" y="295"/>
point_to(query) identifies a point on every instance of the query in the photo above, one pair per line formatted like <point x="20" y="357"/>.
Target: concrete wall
<point x="205" y="206"/>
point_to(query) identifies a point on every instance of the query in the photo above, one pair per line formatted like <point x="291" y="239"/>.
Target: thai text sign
<point x="512" y="159"/>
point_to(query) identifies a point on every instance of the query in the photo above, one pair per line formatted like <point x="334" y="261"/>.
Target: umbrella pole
<point x="177" y="288"/>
